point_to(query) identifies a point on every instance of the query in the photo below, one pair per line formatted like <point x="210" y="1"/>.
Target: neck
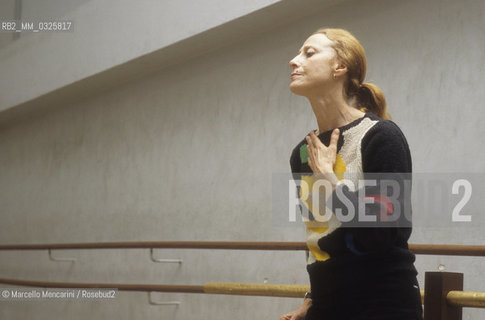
<point x="333" y="111"/>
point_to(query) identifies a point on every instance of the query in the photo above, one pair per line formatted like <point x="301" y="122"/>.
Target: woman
<point x="355" y="272"/>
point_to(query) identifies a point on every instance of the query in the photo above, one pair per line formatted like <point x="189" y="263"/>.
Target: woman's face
<point x="314" y="66"/>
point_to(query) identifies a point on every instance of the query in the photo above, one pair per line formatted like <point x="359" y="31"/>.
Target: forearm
<point x="307" y="303"/>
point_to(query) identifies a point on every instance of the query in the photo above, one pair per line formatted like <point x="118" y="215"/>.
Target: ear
<point x="340" y="69"/>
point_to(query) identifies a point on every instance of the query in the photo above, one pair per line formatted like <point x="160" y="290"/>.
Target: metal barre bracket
<point x="60" y="259"/>
<point x="179" y="261"/>
<point x="164" y="303"/>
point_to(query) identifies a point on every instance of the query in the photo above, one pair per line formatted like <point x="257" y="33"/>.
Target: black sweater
<point x="354" y="256"/>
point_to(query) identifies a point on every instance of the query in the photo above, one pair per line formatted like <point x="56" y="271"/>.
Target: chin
<point x="296" y="89"/>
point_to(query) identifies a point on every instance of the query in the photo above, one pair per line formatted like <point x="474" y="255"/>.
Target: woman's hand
<point x="300" y="313"/>
<point x="321" y="158"/>
<point x="294" y="315"/>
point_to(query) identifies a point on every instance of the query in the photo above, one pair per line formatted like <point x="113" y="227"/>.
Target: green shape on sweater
<point x="304" y="153"/>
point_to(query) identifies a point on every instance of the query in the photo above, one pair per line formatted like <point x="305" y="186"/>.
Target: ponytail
<point x="370" y="98"/>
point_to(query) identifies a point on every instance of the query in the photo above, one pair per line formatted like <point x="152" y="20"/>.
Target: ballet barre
<point x="427" y="249"/>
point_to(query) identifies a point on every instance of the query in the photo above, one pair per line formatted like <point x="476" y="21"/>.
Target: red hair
<point x="367" y="96"/>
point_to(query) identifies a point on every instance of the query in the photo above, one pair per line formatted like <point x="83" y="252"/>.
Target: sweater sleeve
<point x="385" y="155"/>
<point x="385" y="149"/>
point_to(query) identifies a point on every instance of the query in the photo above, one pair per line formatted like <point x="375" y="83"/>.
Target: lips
<point x="294" y="74"/>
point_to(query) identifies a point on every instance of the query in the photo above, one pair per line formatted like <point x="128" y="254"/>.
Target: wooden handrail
<point x="257" y="289"/>
<point x="448" y="249"/>
<point x="228" y="245"/>
<point x="456" y="298"/>
<point x="466" y="299"/>
<point x="428" y="249"/>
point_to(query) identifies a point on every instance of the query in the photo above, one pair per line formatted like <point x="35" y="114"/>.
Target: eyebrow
<point x="305" y="47"/>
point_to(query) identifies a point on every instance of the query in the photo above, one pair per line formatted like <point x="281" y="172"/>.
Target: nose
<point x="294" y="62"/>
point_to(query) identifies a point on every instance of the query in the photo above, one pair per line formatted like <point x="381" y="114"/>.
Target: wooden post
<point x="436" y="288"/>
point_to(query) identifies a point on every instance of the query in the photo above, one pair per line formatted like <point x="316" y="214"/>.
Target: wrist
<point x="308" y="295"/>
<point x="334" y="180"/>
<point x="307" y="303"/>
<point x="330" y="177"/>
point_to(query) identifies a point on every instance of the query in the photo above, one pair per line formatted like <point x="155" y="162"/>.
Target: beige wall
<point x="188" y="154"/>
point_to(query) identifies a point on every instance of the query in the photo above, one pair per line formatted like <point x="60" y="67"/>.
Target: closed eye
<point x="308" y="51"/>
<point x="308" y="54"/>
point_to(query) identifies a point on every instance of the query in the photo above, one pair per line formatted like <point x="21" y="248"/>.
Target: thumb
<point x="334" y="139"/>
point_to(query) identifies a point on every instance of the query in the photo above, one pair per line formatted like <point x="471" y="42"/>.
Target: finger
<point x="310" y="150"/>
<point x="334" y="139"/>
<point x="314" y="139"/>
<point x="309" y="140"/>
<point x="310" y="163"/>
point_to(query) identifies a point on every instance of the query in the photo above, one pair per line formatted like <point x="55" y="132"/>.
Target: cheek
<point x="319" y="75"/>
<point x="322" y="69"/>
